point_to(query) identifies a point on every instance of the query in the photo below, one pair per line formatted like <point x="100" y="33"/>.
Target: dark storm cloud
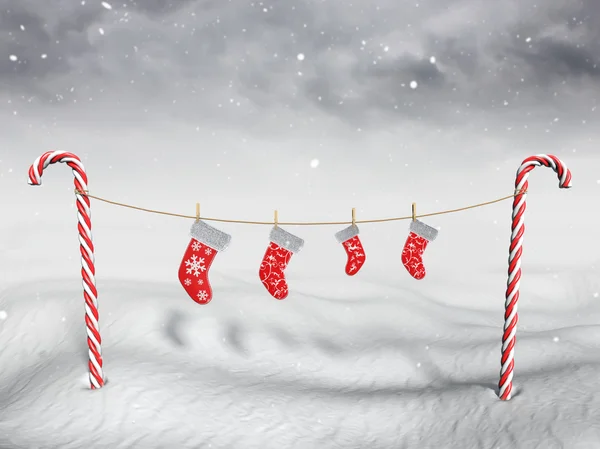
<point x="33" y="33"/>
<point x="47" y="36"/>
<point x="159" y="8"/>
<point x="552" y="60"/>
<point x="360" y="57"/>
<point x="385" y="85"/>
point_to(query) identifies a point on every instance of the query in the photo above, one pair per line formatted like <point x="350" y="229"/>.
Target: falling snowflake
<point x="106" y="5"/>
<point x="202" y="295"/>
<point x="196" y="246"/>
<point x="194" y="265"/>
<point x="188" y="282"/>
<point x="208" y="251"/>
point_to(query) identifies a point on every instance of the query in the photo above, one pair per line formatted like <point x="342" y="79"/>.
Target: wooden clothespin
<point x="353" y="216"/>
<point x="197" y="211"/>
<point x="414" y="211"/>
<point x="275" y="218"/>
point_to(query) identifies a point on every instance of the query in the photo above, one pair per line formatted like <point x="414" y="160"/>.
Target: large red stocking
<point x="206" y="241"/>
<point x="279" y="252"/>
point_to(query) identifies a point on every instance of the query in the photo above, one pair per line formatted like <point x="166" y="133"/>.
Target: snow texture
<point x="375" y="361"/>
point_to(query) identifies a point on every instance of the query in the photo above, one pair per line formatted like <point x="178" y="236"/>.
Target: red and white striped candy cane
<point x="514" y="261"/>
<point x="86" y="247"/>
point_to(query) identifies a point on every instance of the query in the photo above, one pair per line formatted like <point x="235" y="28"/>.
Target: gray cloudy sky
<point x="359" y="56"/>
<point x="510" y="64"/>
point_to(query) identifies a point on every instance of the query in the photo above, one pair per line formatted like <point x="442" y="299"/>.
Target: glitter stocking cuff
<point x="346" y="233"/>
<point x="205" y="233"/>
<point x="286" y="240"/>
<point x="423" y="230"/>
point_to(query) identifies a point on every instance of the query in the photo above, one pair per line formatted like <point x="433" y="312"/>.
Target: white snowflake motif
<point x="195" y="265"/>
<point x="202" y="295"/>
<point x="188" y="282"/>
<point x="208" y="251"/>
<point x="200" y="282"/>
<point x="196" y="246"/>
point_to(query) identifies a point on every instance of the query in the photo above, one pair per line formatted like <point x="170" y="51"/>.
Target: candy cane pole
<point x="86" y="247"/>
<point x="514" y="261"/>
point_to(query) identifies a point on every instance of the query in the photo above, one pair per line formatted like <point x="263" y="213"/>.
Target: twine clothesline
<point x="301" y="223"/>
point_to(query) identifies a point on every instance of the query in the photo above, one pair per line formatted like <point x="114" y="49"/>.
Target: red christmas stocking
<point x="206" y="241"/>
<point x="354" y="249"/>
<point x="279" y="252"/>
<point x="412" y="254"/>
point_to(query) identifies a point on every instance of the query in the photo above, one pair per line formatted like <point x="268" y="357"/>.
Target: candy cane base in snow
<point x="514" y="261"/>
<point x="86" y="246"/>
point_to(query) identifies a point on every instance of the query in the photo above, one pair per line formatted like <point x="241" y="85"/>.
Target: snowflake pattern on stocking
<point x="193" y="271"/>
<point x="356" y="255"/>
<point x="195" y="265"/>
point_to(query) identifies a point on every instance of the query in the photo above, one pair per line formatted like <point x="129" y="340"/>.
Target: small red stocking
<point x="206" y="241"/>
<point x="354" y="249"/>
<point x="279" y="252"/>
<point x="412" y="254"/>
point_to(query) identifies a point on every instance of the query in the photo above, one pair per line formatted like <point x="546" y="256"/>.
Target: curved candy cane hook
<point x="86" y="247"/>
<point x="514" y="261"/>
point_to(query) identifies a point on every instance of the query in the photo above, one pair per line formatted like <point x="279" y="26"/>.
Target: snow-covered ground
<point x="379" y="360"/>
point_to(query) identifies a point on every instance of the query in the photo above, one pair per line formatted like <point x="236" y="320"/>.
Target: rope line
<point x="299" y="223"/>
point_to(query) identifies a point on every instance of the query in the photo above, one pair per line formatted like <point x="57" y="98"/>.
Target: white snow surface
<point x="377" y="361"/>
